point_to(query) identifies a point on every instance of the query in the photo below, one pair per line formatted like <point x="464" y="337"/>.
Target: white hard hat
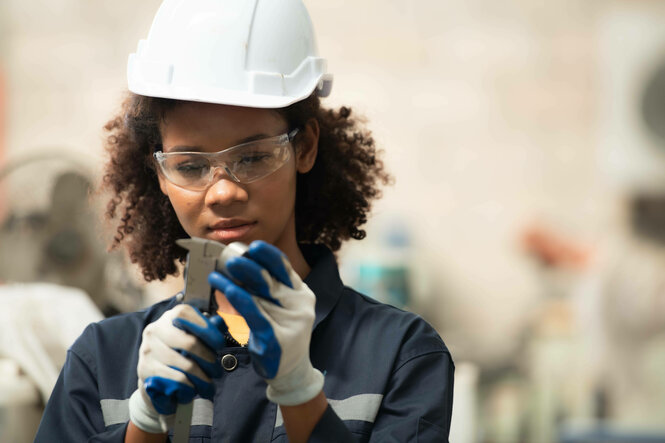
<point x="254" y="53"/>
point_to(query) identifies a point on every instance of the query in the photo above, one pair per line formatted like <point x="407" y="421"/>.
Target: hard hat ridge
<point x="255" y="53"/>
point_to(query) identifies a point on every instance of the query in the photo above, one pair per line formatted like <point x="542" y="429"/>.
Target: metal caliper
<point x="204" y="256"/>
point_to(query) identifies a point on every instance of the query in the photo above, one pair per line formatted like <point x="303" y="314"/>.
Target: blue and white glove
<point x="177" y="360"/>
<point x="279" y="310"/>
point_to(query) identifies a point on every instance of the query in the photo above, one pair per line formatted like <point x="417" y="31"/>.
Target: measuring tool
<point x="204" y="257"/>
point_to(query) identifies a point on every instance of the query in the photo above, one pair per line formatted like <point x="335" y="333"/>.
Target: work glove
<point x="279" y="310"/>
<point x="177" y="360"/>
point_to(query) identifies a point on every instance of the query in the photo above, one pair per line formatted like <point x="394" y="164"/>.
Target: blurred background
<point x="526" y="222"/>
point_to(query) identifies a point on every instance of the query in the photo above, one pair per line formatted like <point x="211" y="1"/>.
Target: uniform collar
<point x="323" y="279"/>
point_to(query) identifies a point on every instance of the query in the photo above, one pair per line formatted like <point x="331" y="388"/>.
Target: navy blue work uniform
<point x="388" y="376"/>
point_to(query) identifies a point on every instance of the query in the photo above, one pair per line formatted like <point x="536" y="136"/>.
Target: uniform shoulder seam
<point x="85" y="357"/>
<point x="419" y="355"/>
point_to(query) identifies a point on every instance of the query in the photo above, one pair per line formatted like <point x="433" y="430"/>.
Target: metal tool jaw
<point x="205" y="256"/>
<point x="201" y="261"/>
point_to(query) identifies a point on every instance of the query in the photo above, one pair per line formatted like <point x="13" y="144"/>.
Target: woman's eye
<point x="189" y="168"/>
<point x="253" y="158"/>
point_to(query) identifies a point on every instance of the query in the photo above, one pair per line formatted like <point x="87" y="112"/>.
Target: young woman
<point x="223" y="137"/>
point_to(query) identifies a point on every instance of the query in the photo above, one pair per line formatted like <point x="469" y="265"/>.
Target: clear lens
<point x="251" y="163"/>
<point x="187" y="168"/>
<point x="243" y="163"/>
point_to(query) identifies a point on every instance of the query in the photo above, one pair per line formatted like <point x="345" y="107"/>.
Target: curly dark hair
<point x="332" y="199"/>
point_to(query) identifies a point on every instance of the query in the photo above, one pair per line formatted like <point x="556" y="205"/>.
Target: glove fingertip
<point x="182" y="324"/>
<point x="185" y="395"/>
<point x="204" y="389"/>
<point x="218" y="281"/>
<point x="219" y="323"/>
<point x="246" y="270"/>
<point x="234" y="295"/>
<point x="284" y="276"/>
<point x="273" y="259"/>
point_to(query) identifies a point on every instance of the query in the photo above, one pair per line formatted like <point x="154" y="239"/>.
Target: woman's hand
<point x="279" y="309"/>
<point x="177" y="360"/>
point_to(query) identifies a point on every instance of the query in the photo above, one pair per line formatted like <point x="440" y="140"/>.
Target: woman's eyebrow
<point x="185" y="149"/>
<point x="251" y="138"/>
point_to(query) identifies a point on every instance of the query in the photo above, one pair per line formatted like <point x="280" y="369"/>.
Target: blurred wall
<point x="65" y="62"/>
<point x="486" y="110"/>
<point x="492" y="114"/>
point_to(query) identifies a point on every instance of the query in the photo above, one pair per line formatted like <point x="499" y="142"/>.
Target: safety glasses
<point x="244" y="163"/>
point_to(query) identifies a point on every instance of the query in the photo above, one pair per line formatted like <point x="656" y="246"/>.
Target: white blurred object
<point x="20" y="404"/>
<point x="38" y="323"/>
<point x="631" y="66"/>
<point x="632" y="288"/>
<point x="463" y="424"/>
<point x="503" y="410"/>
<point x="555" y="366"/>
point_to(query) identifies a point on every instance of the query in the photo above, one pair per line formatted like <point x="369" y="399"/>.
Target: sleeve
<point x="417" y="406"/>
<point x="330" y="428"/>
<point x="73" y="412"/>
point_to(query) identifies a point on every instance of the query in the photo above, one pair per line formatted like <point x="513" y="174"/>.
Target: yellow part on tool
<point x="237" y="325"/>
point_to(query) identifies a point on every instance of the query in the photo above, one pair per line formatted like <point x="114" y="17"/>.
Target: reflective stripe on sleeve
<point x="117" y="411"/>
<point x="114" y="411"/>
<point x="362" y="407"/>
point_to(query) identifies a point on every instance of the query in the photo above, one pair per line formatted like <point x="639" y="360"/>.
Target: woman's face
<point x="228" y="211"/>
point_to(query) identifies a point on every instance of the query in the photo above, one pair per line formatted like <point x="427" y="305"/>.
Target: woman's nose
<point x="224" y="191"/>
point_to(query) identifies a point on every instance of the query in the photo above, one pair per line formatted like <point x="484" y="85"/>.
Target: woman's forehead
<point x="208" y="120"/>
<point x="203" y="111"/>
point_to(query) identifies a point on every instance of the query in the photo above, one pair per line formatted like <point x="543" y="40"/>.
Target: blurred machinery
<point x="51" y="233"/>
<point x="55" y="278"/>
<point x="631" y="276"/>
<point x="632" y="96"/>
<point x="592" y="362"/>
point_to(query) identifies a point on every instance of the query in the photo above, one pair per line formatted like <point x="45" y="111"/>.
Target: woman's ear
<point x="308" y="147"/>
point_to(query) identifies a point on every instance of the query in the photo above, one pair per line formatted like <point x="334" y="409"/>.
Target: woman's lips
<point x="230" y="233"/>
